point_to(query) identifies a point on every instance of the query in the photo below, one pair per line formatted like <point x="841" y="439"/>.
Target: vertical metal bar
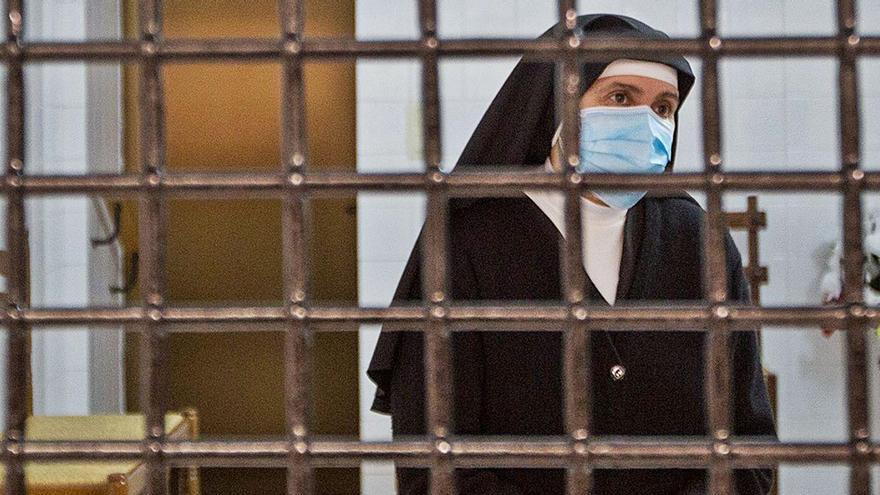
<point x="294" y="214"/>
<point x="151" y="240"/>
<point x="437" y="337"/>
<point x="17" y="359"/>
<point x="292" y="17"/>
<point x="573" y="281"/>
<point x="576" y="337"/>
<point x="579" y="475"/>
<point x="717" y="374"/>
<point x="567" y="14"/>
<point x="754" y="253"/>
<point x="857" y="367"/>
<point x="567" y="106"/>
<point x="720" y="476"/>
<point x="575" y="341"/>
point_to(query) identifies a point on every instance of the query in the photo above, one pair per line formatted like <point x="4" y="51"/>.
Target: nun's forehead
<point x="642" y="68"/>
<point x="642" y="84"/>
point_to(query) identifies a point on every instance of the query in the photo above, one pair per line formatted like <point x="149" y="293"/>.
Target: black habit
<point x="506" y="249"/>
<point x="511" y="383"/>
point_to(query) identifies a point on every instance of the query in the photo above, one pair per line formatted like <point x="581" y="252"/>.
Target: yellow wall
<point x="226" y="117"/>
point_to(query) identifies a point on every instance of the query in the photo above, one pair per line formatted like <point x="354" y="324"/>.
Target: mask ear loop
<point x="557" y="138"/>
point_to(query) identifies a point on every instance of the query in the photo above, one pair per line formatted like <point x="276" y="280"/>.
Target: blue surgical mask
<point x="624" y="140"/>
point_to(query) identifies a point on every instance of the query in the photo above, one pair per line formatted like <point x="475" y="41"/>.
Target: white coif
<point x="601" y="236"/>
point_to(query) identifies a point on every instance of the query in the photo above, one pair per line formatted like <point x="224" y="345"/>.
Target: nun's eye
<point x="619" y="97"/>
<point x="663" y="110"/>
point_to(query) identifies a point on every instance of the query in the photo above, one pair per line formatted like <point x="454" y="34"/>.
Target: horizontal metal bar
<point x="869" y="44"/>
<point x="267" y="49"/>
<point x="466" y="451"/>
<point x="606" y="48"/>
<point x="103" y="50"/>
<point x="75" y="316"/>
<point x="492" y="181"/>
<point x="484" y="317"/>
<point x="550" y="49"/>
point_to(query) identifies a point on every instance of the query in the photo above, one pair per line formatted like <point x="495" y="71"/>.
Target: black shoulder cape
<point x="506" y="249"/>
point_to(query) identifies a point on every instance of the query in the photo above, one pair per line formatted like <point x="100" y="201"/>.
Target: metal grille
<point x="300" y="452"/>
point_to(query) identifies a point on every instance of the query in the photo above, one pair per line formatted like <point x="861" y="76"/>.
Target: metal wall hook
<point x="130" y="278"/>
<point x="117" y="218"/>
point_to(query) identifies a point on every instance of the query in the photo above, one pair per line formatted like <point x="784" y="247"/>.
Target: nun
<point x="638" y="248"/>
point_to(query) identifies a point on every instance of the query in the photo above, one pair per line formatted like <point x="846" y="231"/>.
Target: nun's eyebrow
<point x="670" y="95"/>
<point x="637" y="90"/>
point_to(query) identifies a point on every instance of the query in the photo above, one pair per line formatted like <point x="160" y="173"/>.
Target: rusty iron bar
<point x="505" y="181"/>
<point x="268" y="49"/>
<point x="694" y="317"/>
<point x="152" y="229"/>
<point x="465" y="451"/>
<point x="717" y="369"/>
<point x="298" y="337"/>
<point x="575" y="338"/>
<point x="437" y="340"/>
<point x="18" y="333"/>
<point x="853" y="275"/>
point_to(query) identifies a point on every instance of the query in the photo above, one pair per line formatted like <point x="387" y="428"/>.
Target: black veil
<point x="519" y="123"/>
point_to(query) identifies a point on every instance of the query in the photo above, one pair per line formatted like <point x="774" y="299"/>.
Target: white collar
<point x="552" y="202"/>
<point x="602" y="235"/>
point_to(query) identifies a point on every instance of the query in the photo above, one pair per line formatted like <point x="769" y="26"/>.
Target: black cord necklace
<point x="618" y="371"/>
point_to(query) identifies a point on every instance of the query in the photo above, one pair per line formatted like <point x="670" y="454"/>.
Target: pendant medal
<point x="618" y="372"/>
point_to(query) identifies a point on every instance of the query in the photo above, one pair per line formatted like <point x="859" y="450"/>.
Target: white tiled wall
<point x="58" y="226"/>
<point x="66" y="271"/>
<point x="777" y="115"/>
